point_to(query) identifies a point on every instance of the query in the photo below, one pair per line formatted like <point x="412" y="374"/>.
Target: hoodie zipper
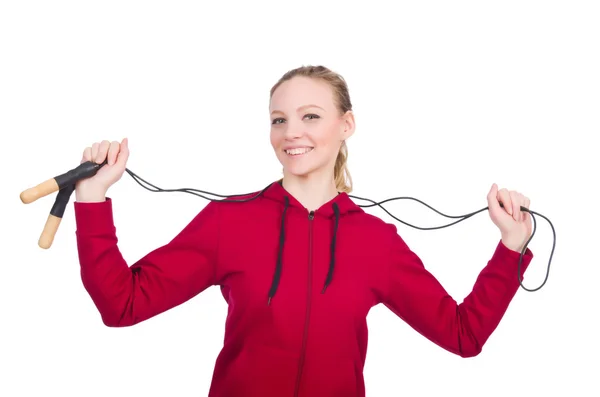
<point x="311" y="216"/>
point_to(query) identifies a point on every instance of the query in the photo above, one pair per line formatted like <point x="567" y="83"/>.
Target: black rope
<point x="203" y="193"/>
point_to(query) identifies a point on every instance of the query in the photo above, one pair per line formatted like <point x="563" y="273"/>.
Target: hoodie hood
<point x="335" y="209"/>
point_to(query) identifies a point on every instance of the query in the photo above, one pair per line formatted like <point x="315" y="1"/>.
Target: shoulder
<point x="371" y="229"/>
<point x="226" y="205"/>
<point x="236" y="208"/>
<point x="379" y="234"/>
<point x="372" y="223"/>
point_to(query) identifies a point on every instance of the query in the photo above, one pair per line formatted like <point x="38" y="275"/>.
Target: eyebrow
<point x="301" y="108"/>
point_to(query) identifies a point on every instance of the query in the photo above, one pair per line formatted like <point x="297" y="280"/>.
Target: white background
<point x="449" y="97"/>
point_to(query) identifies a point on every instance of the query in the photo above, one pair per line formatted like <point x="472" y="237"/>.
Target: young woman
<point x="299" y="263"/>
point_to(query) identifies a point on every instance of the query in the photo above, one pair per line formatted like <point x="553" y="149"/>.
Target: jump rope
<point x="65" y="185"/>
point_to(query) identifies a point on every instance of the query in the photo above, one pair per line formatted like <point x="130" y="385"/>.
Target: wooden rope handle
<point x="50" y="228"/>
<point x="43" y="189"/>
<point x="59" y="182"/>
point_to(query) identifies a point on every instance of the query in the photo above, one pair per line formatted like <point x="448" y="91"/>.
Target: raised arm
<point x="164" y="278"/>
<point x="416" y="296"/>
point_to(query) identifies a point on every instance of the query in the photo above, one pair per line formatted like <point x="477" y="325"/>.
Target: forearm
<point x="495" y="287"/>
<point x="162" y="279"/>
<point x="416" y="296"/>
<point x="105" y="274"/>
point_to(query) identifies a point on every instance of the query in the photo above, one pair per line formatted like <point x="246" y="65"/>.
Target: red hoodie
<point x="298" y="285"/>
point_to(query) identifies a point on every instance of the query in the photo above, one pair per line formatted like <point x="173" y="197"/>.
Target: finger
<point x="95" y="147"/>
<point x="516" y="205"/>
<point x="492" y="198"/>
<point x="504" y="197"/>
<point x="113" y="151"/>
<point x="526" y="203"/>
<point x="102" y="151"/>
<point x="87" y="154"/>
<point x="521" y="207"/>
<point x="123" y="153"/>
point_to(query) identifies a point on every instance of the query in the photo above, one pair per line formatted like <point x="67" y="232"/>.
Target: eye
<point x="280" y="120"/>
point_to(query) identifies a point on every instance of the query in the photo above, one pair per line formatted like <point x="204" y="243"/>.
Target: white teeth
<point x="297" y="151"/>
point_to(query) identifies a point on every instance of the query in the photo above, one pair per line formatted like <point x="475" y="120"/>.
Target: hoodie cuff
<point x="94" y="218"/>
<point x="509" y="259"/>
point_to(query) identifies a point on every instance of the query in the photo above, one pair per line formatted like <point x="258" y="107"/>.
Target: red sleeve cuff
<point x="510" y="259"/>
<point x="94" y="218"/>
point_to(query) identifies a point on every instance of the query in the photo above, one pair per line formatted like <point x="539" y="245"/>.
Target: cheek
<point x="274" y="139"/>
<point x="327" y="137"/>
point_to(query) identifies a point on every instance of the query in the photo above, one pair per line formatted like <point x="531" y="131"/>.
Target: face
<point x="307" y="128"/>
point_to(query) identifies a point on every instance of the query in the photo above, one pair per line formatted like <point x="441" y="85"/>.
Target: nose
<point x="293" y="130"/>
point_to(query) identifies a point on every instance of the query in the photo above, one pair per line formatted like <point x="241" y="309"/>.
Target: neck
<point x="312" y="191"/>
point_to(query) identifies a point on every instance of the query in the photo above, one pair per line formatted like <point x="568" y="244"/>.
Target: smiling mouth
<point x="299" y="151"/>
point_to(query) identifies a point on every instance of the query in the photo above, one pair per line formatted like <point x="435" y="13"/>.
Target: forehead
<point x="300" y="91"/>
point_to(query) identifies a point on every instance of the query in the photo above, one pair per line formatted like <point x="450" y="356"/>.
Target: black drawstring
<point x="279" y="264"/>
<point x="336" y="210"/>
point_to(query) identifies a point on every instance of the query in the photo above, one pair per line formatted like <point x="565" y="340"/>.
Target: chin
<point x="300" y="167"/>
<point x="298" y="171"/>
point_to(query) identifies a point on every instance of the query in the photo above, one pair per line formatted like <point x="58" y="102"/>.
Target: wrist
<point x="513" y="243"/>
<point x="90" y="196"/>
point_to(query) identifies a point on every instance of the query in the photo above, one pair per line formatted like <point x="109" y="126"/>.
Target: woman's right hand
<point x="93" y="189"/>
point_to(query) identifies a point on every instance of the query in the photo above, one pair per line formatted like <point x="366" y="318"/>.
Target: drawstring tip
<point x="269" y="301"/>
<point x="324" y="288"/>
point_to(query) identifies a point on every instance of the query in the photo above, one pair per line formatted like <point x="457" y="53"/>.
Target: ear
<point x="348" y="125"/>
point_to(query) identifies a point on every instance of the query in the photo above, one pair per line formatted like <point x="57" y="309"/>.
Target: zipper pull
<point x="311" y="215"/>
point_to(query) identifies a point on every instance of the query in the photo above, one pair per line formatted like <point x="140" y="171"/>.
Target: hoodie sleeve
<point x="162" y="279"/>
<point x="416" y="296"/>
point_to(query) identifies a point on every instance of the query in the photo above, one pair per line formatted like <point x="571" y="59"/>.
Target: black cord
<point x="467" y="216"/>
<point x="202" y="193"/>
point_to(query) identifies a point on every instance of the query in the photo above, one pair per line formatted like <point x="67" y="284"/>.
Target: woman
<point x="299" y="263"/>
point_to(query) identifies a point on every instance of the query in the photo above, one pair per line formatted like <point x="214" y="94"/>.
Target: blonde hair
<point x="341" y="174"/>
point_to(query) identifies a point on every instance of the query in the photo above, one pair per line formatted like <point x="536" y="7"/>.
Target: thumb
<point x="123" y="153"/>
<point x="492" y="199"/>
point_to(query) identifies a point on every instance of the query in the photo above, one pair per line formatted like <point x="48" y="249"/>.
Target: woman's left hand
<point x="514" y="224"/>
